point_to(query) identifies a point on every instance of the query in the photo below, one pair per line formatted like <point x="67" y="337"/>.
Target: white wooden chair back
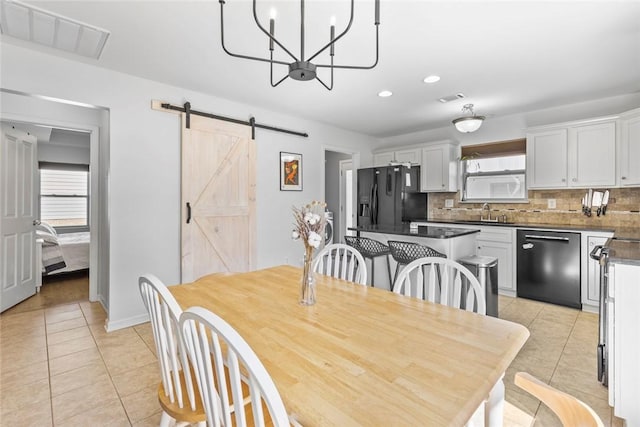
<point x="164" y="313"/>
<point x="341" y="261"/>
<point x="211" y="344"/>
<point x="419" y="279"/>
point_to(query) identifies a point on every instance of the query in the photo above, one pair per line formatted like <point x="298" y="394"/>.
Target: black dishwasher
<point x="548" y="265"/>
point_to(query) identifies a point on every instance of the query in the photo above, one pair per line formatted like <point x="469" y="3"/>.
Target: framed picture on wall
<point x="290" y="171"/>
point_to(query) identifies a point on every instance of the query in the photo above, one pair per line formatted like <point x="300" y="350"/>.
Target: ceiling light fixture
<point x="301" y="68"/>
<point x="431" y="79"/>
<point x="30" y="23"/>
<point x="469" y="123"/>
<point x="385" y="94"/>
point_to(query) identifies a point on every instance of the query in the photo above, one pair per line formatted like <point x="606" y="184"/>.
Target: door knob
<point x="623" y="177"/>
<point x="36" y="222"/>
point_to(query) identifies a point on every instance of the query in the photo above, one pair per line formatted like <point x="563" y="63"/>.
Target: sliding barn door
<point x="18" y="194"/>
<point x="218" y="198"/>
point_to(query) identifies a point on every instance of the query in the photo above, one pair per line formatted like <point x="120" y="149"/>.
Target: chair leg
<point x="165" y="420"/>
<point x="389" y="271"/>
<point x="395" y="276"/>
<point x="373" y="271"/>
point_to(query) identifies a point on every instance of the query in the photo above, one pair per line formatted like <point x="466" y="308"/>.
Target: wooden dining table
<point x="361" y="355"/>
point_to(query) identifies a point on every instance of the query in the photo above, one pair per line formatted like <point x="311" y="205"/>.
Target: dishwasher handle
<point x="538" y="237"/>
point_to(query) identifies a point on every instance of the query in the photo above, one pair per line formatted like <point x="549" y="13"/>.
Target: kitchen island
<point x="453" y="242"/>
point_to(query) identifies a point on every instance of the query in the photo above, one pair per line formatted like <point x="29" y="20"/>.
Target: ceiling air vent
<point x="448" y="98"/>
<point x="26" y="22"/>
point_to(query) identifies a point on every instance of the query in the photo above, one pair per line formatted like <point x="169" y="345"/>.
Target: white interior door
<point x="18" y="194"/>
<point x="218" y="198"/>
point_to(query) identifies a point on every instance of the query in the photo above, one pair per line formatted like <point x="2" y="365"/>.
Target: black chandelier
<point x="302" y="68"/>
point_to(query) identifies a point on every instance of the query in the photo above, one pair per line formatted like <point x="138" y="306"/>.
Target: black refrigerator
<point x="389" y="195"/>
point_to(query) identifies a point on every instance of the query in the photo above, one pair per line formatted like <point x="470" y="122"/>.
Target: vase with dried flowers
<point x="309" y="227"/>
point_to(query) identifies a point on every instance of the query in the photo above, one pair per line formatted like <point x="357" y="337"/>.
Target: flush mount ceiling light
<point x="469" y="123"/>
<point x="385" y="94"/>
<point x="30" y="23"/>
<point x="431" y="79"/>
<point x="301" y="67"/>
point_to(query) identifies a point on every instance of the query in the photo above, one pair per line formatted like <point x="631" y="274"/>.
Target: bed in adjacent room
<point x="61" y="253"/>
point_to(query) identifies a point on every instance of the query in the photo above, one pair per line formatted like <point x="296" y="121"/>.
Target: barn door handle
<point x="188" y="212"/>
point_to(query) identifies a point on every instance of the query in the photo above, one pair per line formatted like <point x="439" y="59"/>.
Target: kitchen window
<point x="64" y="195"/>
<point x="494" y="172"/>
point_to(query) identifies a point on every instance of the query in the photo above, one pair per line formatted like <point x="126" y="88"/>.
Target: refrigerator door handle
<point x="374" y="204"/>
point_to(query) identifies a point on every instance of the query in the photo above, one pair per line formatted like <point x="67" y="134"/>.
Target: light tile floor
<point x="59" y="367"/>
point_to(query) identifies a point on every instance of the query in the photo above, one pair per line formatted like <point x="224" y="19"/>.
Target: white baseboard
<point x="111" y="326"/>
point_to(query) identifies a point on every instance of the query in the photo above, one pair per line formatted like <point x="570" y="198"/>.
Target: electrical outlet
<point x="551" y="203"/>
<point x="448" y="203"/>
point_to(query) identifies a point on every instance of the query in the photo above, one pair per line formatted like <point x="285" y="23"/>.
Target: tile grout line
<point x="108" y="371"/>
<point x="46" y="340"/>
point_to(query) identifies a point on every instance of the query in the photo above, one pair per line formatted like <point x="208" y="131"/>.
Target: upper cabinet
<point x="547" y="159"/>
<point x="578" y="156"/>
<point x="383" y="158"/>
<point x="630" y="150"/>
<point x="408" y="155"/>
<point x="439" y="170"/>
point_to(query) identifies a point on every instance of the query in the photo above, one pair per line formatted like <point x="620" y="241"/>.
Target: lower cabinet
<point x="498" y="242"/>
<point x="591" y="270"/>
<point x="504" y="252"/>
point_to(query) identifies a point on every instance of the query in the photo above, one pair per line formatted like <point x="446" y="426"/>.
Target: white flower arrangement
<point x="309" y="225"/>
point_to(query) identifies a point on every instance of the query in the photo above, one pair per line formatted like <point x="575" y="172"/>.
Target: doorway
<point x="339" y="189"/>
<point x="33" y="112"/>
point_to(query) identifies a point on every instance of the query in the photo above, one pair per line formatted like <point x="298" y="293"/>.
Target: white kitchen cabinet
<point x="590" y="288"/>
<point x="408" y="155"/>
<point x="547" y="159"/>
<point x="630" y="151"/>
<point x="383" y="158"/>
<point x="577" y="156"/>
<point x="592" y="155"/>
<point x="624" y="342"/>
<point x="439" y="170"/>
<point x="498" y="242"/>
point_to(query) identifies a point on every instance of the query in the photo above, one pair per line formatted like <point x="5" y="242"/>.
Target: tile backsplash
<point x="623" y="209"/>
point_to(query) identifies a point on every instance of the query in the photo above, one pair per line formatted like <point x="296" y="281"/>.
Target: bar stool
<point x="371" y="249"/>
<point x="406" y="252"/>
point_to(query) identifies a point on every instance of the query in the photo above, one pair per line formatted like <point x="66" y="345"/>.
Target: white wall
<point x="514" y="126"/>
<point x="144" y="180"/>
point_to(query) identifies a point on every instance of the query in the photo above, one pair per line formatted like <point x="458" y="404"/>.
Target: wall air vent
<point x="448" y="98"/>
<point x="26" y="22"/>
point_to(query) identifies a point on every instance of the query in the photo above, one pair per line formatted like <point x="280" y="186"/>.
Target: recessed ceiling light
<point x="431" y="79"/>
<point x="385" y="94"/>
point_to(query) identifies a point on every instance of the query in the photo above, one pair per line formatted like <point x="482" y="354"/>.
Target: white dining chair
<point x="211" y="344"/>
<point x="440" y="280"/>
<point x="444" y="281"/>
<point x="341" y="261"/>
<point x="178" y="394"/>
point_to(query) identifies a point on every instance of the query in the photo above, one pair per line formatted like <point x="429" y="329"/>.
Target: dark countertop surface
<point x="567" y="227"/>
<point x="624" y="251"/>
<point x="432" y="232"/>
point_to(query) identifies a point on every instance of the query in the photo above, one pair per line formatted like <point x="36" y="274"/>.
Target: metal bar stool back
<point x="406" y="252"/>
<point x="370" y="249"/>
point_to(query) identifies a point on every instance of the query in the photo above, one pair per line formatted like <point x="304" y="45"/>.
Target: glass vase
<point x="307" y="283"/>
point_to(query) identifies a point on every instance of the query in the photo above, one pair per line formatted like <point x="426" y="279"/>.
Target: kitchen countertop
<point x="568" y="227"/>
<point x="432" y="232"/>
<point x="624" y="251"/>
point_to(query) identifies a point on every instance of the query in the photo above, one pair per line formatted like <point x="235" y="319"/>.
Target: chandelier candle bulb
<point x="332" y="36"/>
<point x="272" y="28"/>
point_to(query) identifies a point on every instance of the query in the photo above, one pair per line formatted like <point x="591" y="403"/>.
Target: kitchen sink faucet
<point x="488" y="209"/>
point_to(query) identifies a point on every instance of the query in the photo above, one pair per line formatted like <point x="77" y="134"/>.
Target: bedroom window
<point x="64" y="195"/>
<point x="494" y="172"/>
